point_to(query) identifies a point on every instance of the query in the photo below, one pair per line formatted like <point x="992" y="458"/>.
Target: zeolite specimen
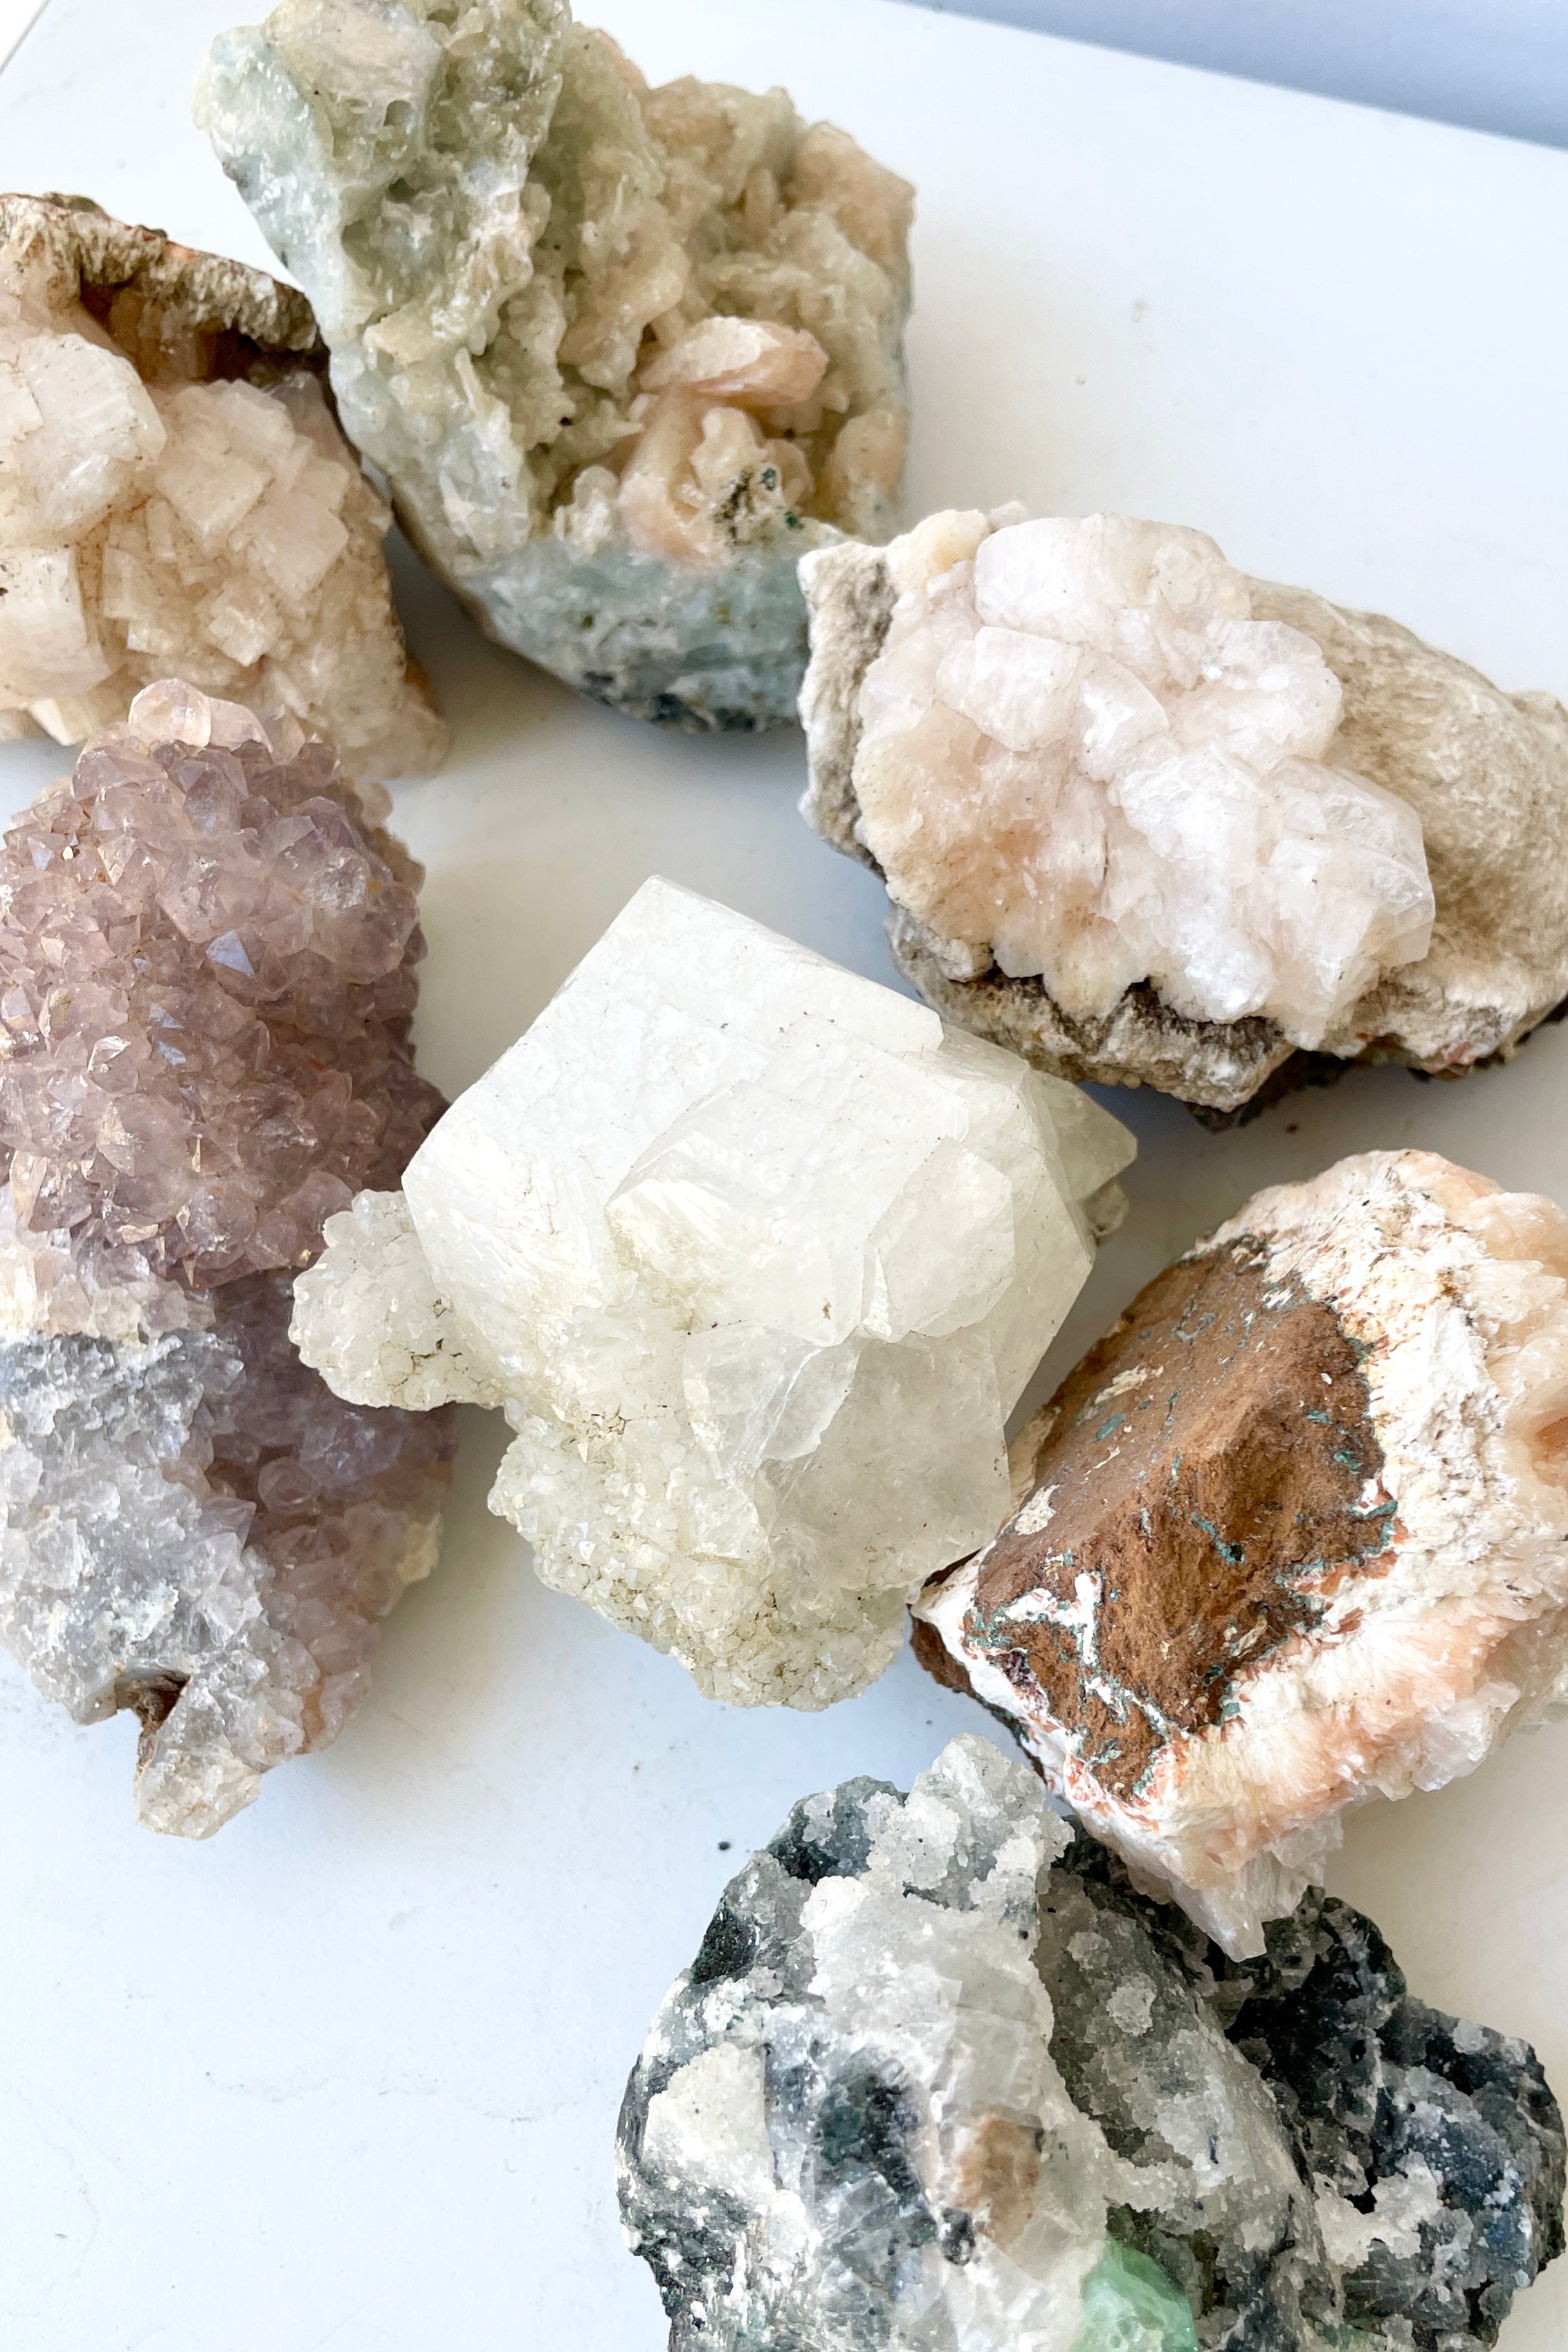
<point x="621" y="353"/>
<point x="206" y="981"/>
<point x="939" y="2080"/>
<point x="1293" y="1534"/>
<point x="758" y="1257"/>
<point x="175" y="496"/>
<point x="1148" y="821"/>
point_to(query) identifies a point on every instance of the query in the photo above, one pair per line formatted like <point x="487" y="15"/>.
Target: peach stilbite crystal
<point x="1295" y="1534"/>
<point x="621" y="353"/>
<point x="207" y="983"/>
<point x="1150" y="822"/>
<point x="174" y="495"/>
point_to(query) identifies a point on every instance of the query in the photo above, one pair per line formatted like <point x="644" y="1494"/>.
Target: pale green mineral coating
<point x="488" y="216"/>
<point x="1130" y="2306"/>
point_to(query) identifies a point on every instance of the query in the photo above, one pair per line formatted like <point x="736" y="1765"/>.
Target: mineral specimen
<point x="727" y="1226"/>
<point x="1294" y="1534"/>
<point x="207" y="981"/>
<point x="621" y="353"/>
<point x="1149" y="822"/>
<point x="939" y="2077"/>
<point x="174" y="495"/>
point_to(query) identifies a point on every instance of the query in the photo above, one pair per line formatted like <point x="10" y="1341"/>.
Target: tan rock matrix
<point x="1150" y="822"/>
<point x="1294" y="1534"/>
<point x="622" y="352"/>
<point x="175" y="496"/>
<point x="206" y="981"/>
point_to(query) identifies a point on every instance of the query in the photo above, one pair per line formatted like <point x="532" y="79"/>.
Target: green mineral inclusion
<point x="1131" y="2306"/>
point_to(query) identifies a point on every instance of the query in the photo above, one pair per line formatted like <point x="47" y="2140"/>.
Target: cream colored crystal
<point x="1146" y="820"/>
<point x="175" y="496"/>
<point x="622" y="352"/>
<point x="759" y="1257"/>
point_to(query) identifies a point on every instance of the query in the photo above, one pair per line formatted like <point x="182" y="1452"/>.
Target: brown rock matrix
<point x="1296" y="1531"/>
<point x="175" y="495"/>
<point x="206" y="983"/>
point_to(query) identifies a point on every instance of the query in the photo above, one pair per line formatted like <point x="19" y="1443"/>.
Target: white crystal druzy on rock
<point x="176" y="496"/>
<point x="939" y="2079"/>
<point x="621" y="353"/>
<point x="1145" y="819"/>
<point x="758" y="1255"/>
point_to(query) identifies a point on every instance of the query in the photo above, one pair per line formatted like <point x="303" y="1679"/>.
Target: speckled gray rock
<point x="621" y="353"/>
<point x="1485" y="773"/>
<point x="940" y="2078"/>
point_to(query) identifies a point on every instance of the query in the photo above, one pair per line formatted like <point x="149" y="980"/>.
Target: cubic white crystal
<point x="726" y="1228"/>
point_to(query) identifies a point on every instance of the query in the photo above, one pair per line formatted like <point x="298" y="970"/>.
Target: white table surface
<point x="347" y="2077"/>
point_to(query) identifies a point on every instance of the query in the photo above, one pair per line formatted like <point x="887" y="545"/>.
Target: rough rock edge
<point x="1227" y="1072"/>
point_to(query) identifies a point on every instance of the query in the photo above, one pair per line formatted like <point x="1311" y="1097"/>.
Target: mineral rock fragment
<point x="175" y="495"/>
<point x="939" y="2076"/>
<point x="758" y="1257"/>
<point x="1149" y="822"/>
<point x="207" y="981"/>
<point x="621" y="353"/>
<point x="1294" y="1534"/>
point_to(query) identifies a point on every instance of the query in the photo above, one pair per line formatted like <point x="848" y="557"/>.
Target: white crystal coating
<point x="152" y="523"/>
<point x="726" y="1226"/>
<point x="1083" y="758"/>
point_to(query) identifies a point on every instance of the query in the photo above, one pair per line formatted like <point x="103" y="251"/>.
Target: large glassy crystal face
<point x="207" y="981"/>
<point x="725" y="1227"/>
<point x="938" y="2076"/>
<point x="175" y="496"/>
<point x="623" y="353"/>
<point x="1148" y="821"/>
<point x="1294" y="1535"/>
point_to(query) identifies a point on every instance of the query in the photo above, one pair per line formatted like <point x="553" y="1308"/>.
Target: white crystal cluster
<point x="939" y="2079"/>
<point x="153" y="521"/>
<point x="758" y="1257"/>
<point x="1083" y="758"/>
<point x="622" y="352"/>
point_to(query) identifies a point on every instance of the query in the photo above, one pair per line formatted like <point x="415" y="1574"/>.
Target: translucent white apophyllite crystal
<point x="207" y="960"/>
<point x="939" y="2079"/>
<point x="1143" y="818"/>
<point x="621" y="353"/>
<point x="758" y="1257"/>
<point x="1293" y="1536"/>
<point x="175" y="496"/>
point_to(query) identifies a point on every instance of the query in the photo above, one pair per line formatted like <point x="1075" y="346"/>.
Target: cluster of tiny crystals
<point x="154" y="522"/>
<point x="725" y="1226"/>
<point x="206" y="983"/>
<point x="531" y="268"/>
<point x="938" y="2075"/>
<point x="1081" y="758"/>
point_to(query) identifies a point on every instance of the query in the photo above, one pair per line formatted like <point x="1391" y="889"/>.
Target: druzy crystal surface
<point x="206" y="983"/>
<point x="621" y="353"/>
<point x="939" y="2078"/>
<point x="1295" y="1533"/>
<point x="726" y="1227"/>
<point x="1148" y="821"/>
<point x="175" y="496"/>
